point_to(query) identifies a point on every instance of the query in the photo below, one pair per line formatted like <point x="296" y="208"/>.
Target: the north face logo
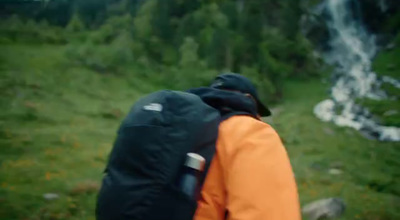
<point x="153" y="107"/>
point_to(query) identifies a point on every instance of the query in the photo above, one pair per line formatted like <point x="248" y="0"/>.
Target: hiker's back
<point x="250" y="176"/>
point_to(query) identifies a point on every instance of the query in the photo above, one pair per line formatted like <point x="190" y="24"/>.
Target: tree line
<point x="260" y="38"/>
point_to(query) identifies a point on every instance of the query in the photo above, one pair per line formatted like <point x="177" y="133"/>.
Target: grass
<point x="58" y="123"/>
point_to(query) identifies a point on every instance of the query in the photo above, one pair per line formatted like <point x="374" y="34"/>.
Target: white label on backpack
<point x="153" y="107"/>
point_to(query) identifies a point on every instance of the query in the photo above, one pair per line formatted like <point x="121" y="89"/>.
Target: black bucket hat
<point x="237" y="82"/>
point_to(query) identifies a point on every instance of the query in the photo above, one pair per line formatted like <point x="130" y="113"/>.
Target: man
<point x="250" y="176"/>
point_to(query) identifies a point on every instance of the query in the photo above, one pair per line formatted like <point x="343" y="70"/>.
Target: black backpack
<point x="149" y="153"/>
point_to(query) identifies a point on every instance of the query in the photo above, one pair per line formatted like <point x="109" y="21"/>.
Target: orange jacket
<point x="250" y="177"/>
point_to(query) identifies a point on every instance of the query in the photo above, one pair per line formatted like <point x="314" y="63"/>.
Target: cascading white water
<point x="352" y="49"/>
<point x="383" y="5"/>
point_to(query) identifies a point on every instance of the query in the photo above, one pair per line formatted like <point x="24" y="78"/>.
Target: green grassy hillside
<point x="387" y="63"/>
<point x="58" y="123"/>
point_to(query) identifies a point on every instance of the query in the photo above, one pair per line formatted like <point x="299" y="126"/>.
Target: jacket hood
<point x="227" y="102"/>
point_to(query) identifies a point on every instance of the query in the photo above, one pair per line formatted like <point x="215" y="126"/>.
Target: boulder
<point x="390" y="112"/>
<point x="324" y="209"/>
<point x="335" y="171"/>
<point x="51" y="196"/>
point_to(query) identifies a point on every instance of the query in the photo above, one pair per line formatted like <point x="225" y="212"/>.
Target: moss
<point x="391" y="90"/>
<point x="387" y="62"/>
<point x="392" y="25"/>
<point x="386" y="111"/>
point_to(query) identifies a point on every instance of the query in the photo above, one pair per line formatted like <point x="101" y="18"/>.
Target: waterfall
<point x="383" y="5"/>
<point x="352" y="49"/>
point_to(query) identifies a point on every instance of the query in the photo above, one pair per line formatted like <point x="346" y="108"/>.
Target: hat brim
<point x="263" y="110"/>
